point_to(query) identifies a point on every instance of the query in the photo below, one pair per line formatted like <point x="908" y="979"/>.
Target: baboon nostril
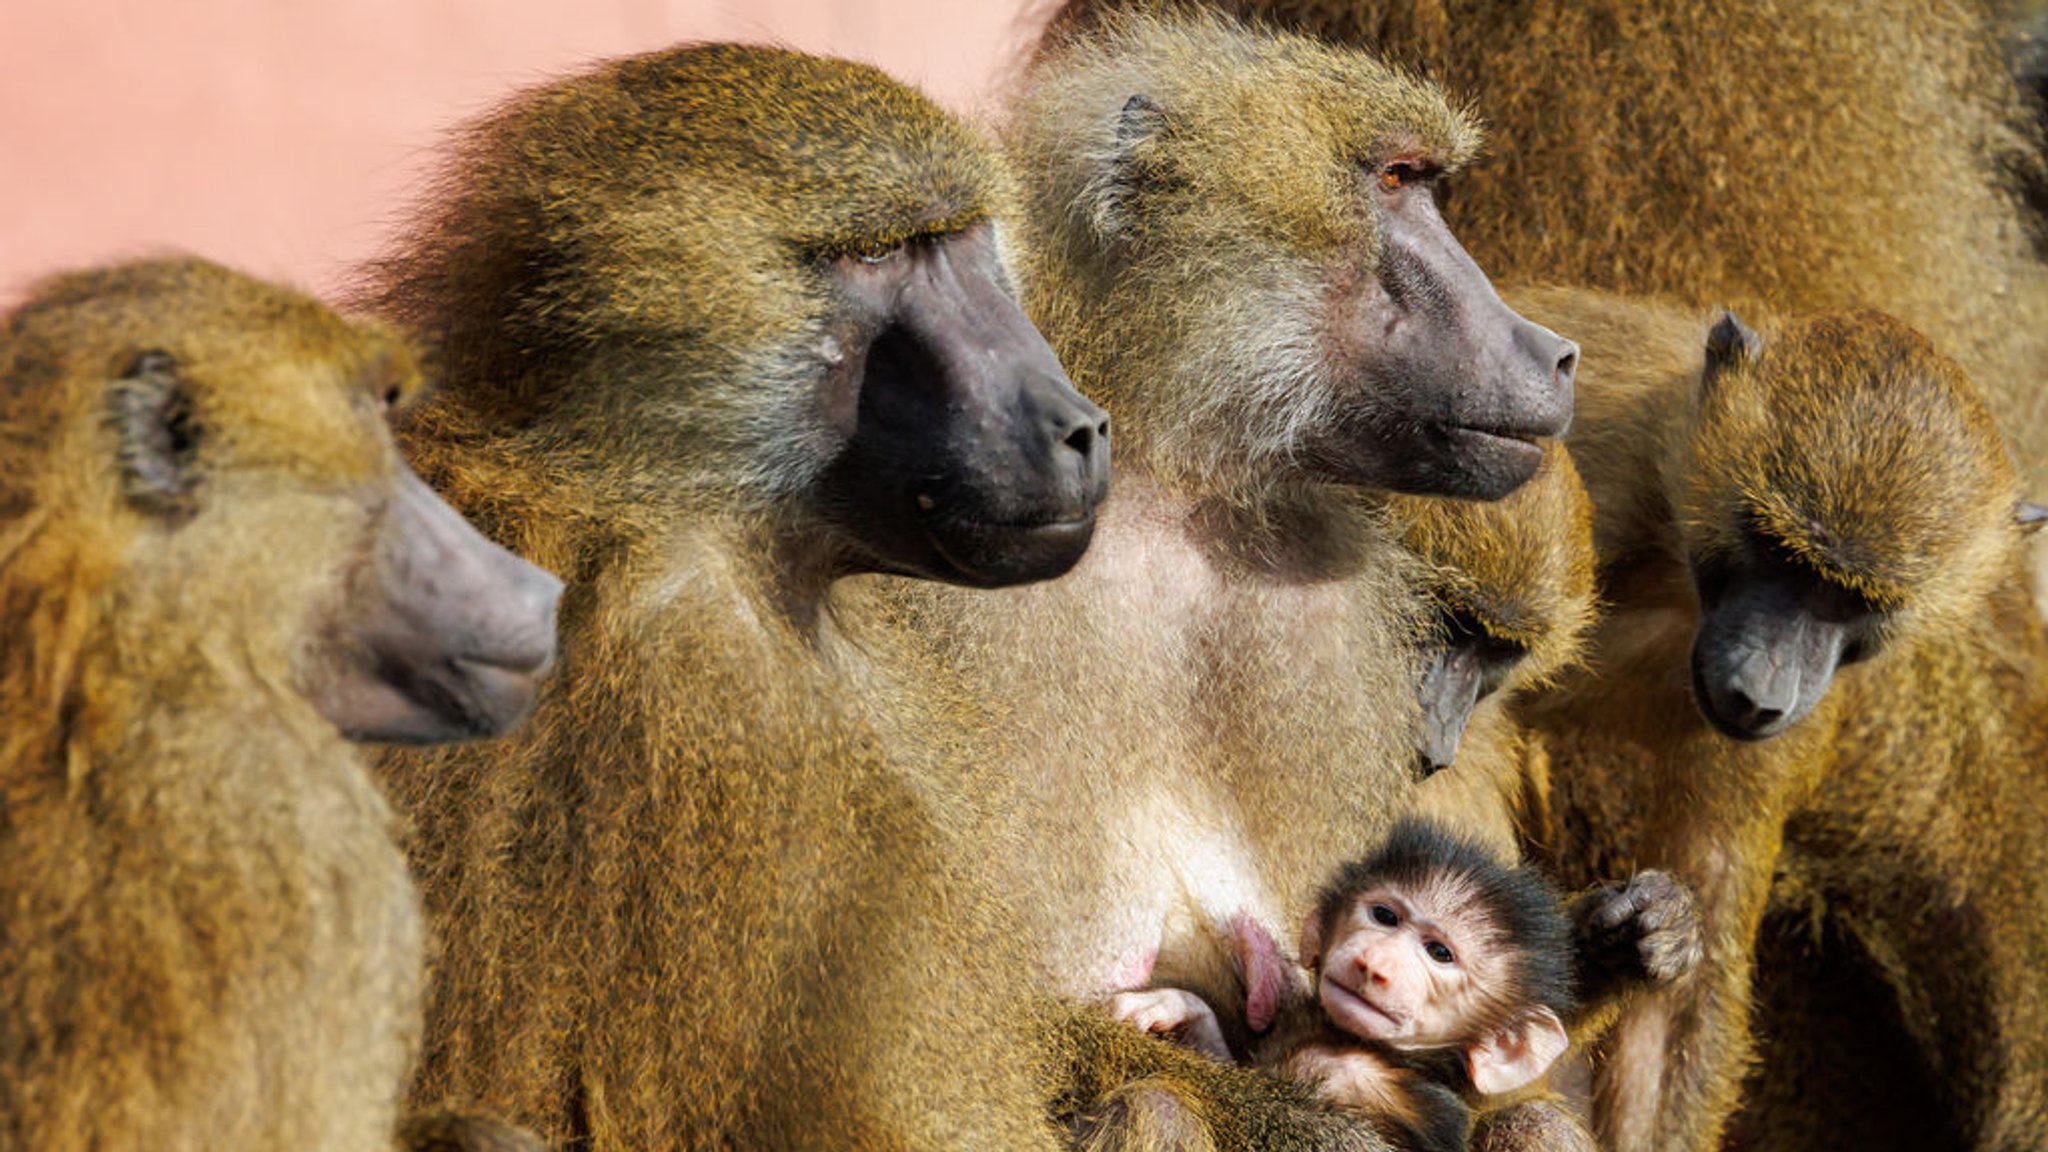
<point x="1750" y="714"/>
<point x="1081" y="439"/>
<point x="1567" y="365"/>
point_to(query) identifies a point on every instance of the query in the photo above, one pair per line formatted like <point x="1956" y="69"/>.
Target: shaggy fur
<point x="1853" y="445"/>
<point x="209" y="939"/>
<point x="719" y="895"/>
<point x="1766" y="154"/>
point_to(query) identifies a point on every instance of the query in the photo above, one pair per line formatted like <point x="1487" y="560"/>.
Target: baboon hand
<point x="1647" y="931"/>
<point x="1174" y="1014"/>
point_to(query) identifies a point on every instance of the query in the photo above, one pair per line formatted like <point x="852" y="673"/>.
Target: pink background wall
<point x="285" y="136"/>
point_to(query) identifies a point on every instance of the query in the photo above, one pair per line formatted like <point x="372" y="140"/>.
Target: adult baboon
<point x="722" y="325"/>
<point x="1776" y="155"/>
<point x="214" y="570"/>
<point x="1233" y="247"/>
<point x="1510" y="588"/>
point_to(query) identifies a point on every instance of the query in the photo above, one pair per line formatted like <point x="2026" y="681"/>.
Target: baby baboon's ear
<point x="158" y="436"/>
<point x="1311" y="946"/>
<point x="1516" y="1053"/>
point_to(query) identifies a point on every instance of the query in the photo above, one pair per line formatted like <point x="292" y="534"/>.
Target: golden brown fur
<point x="210" y="939"/>
<point x="1218" y="702"/>
<point x="1521" y="571"/>
<point x="1117" y="1089"/>
<point x="711" y="899"/>
<point x="1763" y="154"/>
<point x="1853" y="446"/>
<point x="1913" y="878"/>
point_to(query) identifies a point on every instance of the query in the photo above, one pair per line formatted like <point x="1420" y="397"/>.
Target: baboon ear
<point x="1730" y="342"/>
<point x="1514" y="1055"/>
<point x="2031" y="517"/>
<point x="1311" y="942"/>
<point x="159" y="439"/>
<point x="1127" y="173"/>
<point x="1140" y="120"/>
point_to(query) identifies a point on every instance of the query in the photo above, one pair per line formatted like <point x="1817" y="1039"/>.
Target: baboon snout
<point x="1739" y="707"/>
<point x="446" y="637"/>
<point x="1755" y="680"/>
<point x="1075" y="435"/>
<point x="1551" y="362"/>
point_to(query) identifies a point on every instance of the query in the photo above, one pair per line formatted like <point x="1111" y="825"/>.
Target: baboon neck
<point x="1294" y="534"/>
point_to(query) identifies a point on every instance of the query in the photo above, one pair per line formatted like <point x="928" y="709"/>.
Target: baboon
<point x="1753" y="153"/>
<point x="214" y="569"/>
<point x="1901" y="981"/>
<point x="1765" y="516"/>
<point x="1510" y="594"/>
<point x="1432" y="977"/>
<point x="1219" y="703"/>
<point x="721" y="326"/>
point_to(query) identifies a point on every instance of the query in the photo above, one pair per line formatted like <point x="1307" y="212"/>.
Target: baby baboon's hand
<point x="1174" y="1014"/>
<point x="1646" y="931"/>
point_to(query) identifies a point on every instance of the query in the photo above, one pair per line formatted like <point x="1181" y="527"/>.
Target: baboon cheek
<point x="971" y="457"/>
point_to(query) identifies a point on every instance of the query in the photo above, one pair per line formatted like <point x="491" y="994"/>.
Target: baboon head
<point x="1243" y="258"/>
<point x="1511" y="584"/>
<point x="738" y="277"/>
<point x="208" y="457"/>
<point x="1843" y="485"/>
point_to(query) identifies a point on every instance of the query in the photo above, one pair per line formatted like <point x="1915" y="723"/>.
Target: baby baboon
<point x="723" y="325"/>
<point x="1436" y="975"/>
<point x="1439" y="977"/>
<point x="213" y="565"/>
<point x="1831" y="496"/>
<point x="1234" y="248"/>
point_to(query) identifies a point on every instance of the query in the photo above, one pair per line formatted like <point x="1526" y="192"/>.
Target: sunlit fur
<point x="1248" y="228"/>
<point x="210" y="939"/>
<point x="1850" y="443"/>
<point x="1219" y="700"/>
<point x="709" y="899"/>
<point x="652" y="237"/>
<point x="1845" y="477"/>
<point x="1757" y="153"/>
<point x="1521" y="570"/>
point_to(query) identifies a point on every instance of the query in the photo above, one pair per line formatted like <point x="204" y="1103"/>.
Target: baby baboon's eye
<point x="1385" y="917"/>
<point x="1440" y="952"/>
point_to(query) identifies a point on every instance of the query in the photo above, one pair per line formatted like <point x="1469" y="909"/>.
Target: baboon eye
<point x="1399" y="174"/>
<point x="391" y="397"/>
<point x="1385" y="917"/>
<point x="1440" y="952"/>
<point x="878" y="254"/>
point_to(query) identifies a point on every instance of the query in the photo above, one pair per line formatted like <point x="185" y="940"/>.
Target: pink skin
<point x="1403" y="983"/>
<point x="1135" y="969"/>
<point x="1267" y="974"/>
